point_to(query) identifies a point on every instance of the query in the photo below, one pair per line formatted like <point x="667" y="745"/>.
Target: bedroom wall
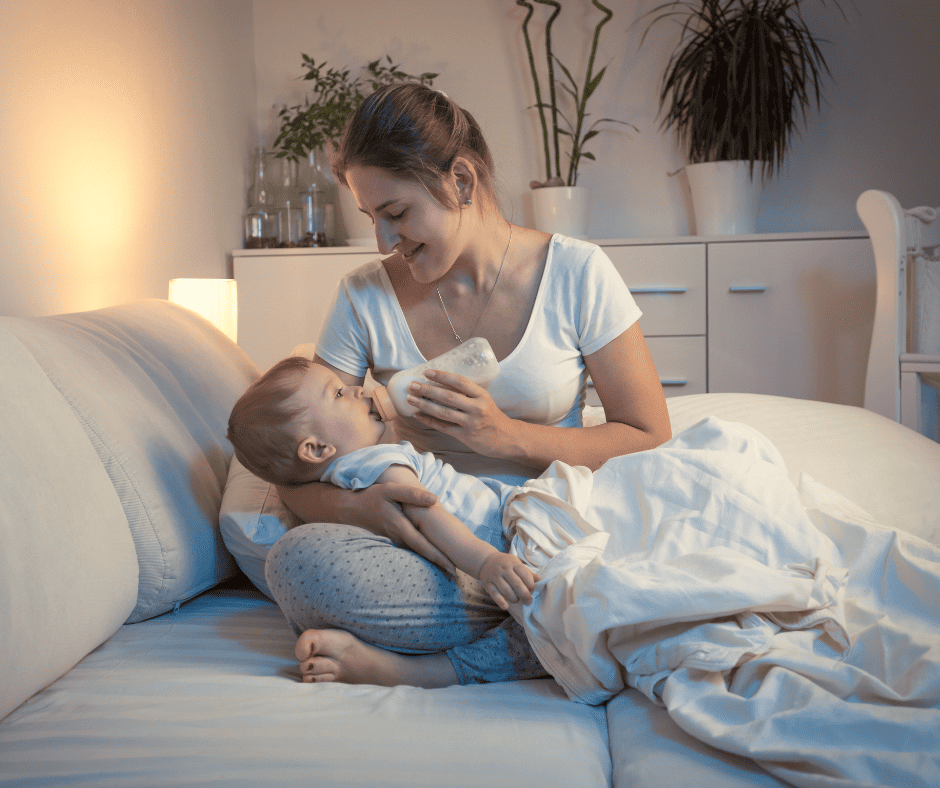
<point x="124" y="129"/>
<point x="125" y="125"/>
<point x="878" y="129"/>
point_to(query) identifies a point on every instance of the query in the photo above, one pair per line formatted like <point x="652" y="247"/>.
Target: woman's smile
<point x="409" y="256"/>
<point x="403" y="212"/>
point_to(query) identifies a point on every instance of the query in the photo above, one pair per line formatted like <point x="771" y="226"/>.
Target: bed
<point x="201" y="688"/>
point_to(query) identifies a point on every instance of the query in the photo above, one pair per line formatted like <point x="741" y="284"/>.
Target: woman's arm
<point x="625" y="379"/>
<point x="505" y="577"/>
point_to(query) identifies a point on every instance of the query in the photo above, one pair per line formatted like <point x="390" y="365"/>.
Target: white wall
<point x="124" y="129"/>
<point x="878" y="130"/>
<point x="126" y="125"/>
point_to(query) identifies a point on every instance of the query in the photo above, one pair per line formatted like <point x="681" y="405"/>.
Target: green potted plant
<point x="335" y="95"/>
<point x="744" y="74"/>
<point x="309" y="129"/>
<point x="559" y="204"/>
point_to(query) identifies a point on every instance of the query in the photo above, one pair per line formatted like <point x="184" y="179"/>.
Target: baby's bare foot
<point x="335" y="655"/>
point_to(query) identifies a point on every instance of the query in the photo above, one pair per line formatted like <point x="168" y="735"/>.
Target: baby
<point x="656" y="561"/>
<point x="299" y="423"/>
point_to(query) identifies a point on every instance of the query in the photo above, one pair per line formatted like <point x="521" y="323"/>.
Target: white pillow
<point x="152" y="384"/>
<point x="252" y="518"/>
<point x="68" y="568"/>
<point x="890" y="471"/>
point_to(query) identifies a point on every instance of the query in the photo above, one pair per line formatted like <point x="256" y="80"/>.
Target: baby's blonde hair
<point x="263" y="428"/>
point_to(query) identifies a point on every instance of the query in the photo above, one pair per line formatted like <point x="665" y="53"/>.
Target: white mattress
<point x="662" y="755"/>
<point x="207" y="696"/>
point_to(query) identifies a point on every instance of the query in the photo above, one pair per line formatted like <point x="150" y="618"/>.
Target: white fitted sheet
<point x="208" y="696"/>
<point x="204" y="696"/>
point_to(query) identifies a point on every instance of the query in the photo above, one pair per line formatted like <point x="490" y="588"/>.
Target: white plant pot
<point x="725" y="198"/>
<point x="561" y="209"/>
<point x="357" y="228"/>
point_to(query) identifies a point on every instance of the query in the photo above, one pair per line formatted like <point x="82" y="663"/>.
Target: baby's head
<point x="295" y="418"/>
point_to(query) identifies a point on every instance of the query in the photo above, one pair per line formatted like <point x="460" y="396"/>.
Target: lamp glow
<point x="214" y="299"/>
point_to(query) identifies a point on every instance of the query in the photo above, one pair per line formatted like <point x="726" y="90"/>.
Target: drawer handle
<point x="666" y="382"/>
<point x="747" y="288"/>
<point x="652" y="289"/>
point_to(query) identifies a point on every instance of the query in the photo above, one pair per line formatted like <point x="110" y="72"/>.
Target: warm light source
<point x="214" y="299"/>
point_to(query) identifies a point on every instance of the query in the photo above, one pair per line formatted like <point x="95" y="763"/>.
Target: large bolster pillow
<point x="152" y="384"/>
<point x="68" y="569"/>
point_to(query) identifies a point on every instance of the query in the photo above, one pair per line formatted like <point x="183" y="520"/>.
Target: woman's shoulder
<point x="379" y="279"/>
<point x="366" y="283"/>
<point x="367" y="272"/>
<point x="572" y="259"/>
<point x="574" y="249"/>
<point x="557" y="256"/>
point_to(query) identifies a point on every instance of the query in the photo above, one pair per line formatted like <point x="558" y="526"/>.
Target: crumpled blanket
<point x="774" y="622"/>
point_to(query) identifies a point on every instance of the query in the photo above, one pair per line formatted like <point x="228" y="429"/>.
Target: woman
<point x="553" y="309"/>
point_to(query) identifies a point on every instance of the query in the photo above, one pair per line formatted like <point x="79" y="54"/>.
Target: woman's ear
<point x="312" y="451"/>
<point x="464" y="179"/>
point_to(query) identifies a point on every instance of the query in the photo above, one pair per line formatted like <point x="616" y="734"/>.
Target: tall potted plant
<point x="308" y="129"/>
<point x="559" y="204"/>
<point x="744" y="74"/>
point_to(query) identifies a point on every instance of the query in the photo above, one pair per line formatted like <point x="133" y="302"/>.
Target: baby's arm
<point x="505" y="578"/>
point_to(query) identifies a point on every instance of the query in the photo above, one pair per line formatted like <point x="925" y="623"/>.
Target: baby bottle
<point x="474" y="359"/>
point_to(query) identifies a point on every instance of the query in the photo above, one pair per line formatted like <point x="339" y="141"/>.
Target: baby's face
<point x="340" y="415"/>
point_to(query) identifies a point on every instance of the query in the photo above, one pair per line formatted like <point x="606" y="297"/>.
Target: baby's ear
<point x="313" y="451"/>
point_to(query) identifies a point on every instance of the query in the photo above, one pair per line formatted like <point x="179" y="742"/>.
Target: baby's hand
<point x="507" y="579"/>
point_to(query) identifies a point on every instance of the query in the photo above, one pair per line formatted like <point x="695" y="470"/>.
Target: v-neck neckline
<point x="403" y="321"/>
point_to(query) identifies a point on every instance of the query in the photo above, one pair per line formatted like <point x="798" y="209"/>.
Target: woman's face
<point x="408" y="220"/>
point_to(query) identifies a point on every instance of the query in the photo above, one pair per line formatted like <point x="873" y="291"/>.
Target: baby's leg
<point x="339" y="577"/>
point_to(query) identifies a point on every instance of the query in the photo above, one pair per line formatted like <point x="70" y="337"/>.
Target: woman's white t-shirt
<point x="581" y="305"/>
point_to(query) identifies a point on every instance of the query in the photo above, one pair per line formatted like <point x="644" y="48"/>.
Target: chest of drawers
<point x="785" y="314"/>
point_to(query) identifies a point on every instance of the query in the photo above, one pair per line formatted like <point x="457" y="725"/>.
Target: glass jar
<point x="287" y="199"/>
<point x="261" y="216"/>
<point x="316" y="200"/>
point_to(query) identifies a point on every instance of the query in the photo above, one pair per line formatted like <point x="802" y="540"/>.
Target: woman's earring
<point x="468" y="202"/>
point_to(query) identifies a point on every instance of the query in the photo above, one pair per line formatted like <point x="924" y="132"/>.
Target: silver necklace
<point x="495" y="282"/>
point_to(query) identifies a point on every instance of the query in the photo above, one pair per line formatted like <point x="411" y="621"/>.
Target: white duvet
<point x="774" y="622"/>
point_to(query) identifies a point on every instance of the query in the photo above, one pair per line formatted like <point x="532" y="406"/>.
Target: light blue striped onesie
<point x="476" y="501"/>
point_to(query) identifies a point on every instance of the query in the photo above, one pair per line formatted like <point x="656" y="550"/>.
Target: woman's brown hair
<point x="415" y="131"/>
